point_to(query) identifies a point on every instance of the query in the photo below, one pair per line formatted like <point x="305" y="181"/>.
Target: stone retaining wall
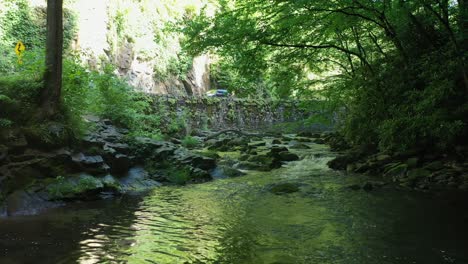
<point x="227" y="112"/>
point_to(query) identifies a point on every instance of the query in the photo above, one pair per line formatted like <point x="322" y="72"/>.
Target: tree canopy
<point x="397" y="67"/>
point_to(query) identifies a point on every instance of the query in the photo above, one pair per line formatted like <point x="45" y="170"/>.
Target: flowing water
<point x="240" y="221"/>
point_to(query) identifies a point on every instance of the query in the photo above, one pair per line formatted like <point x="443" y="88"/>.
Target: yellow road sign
<point x="19" y="48"/>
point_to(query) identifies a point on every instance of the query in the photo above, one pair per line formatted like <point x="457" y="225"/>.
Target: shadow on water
<point x="239" y="220"/>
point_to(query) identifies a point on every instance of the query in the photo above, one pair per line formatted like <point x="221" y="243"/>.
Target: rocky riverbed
<point x="108" y="162"/>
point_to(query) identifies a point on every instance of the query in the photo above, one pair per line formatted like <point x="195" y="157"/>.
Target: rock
<point x="287" y="156"/>
<point x="203" y="163"/>
<point x="258" y="144"/>
<point x="119" y="147"/>
<point x="412" y="162"/>
<point x="111" y="183"/>
<point x="418" y="173"/>
<point x="111" y="134"/>
<point x="434" y="166"/>
<point x="119" y="164"/>
<point x="341" y="162"/>
<point x="336" y="142"/>
<point x="354" y="187"/>
<point x="276" y="142"/>
<point x="239" y="141"/>
<point x="284" y="188"/>
<point x="305" y="134"/>
<point x="176" y="141"/>
<point x="252" y="152"/>
<point x="91" y="164"/>
<point x="226" y="172"/>
<point x="198" y="175"/>
<point x="17" y="144"/>
<point x="244" y="157"/>
<point x="247" y="165"/>
<point x="297" y="145"/>
<point x="383" y="157"/>
<point x="149" y="142"/>
<point x="319" y="141"/>
<point x="21" y="202"/>
<point x="277" y="149"/>
<point x="367" y="186"/>
<point x="137" y="180"/>
<point x="350" y="167"/>
<point x="165" y="151"/>
<point x="397" y="170"/>
<point x="3" y="153"/>
<point x="263" y="159"/>
<point x="301" y="139"/>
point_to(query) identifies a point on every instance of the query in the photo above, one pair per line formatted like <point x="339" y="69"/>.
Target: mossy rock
<point x="396" y="171"/>
<point x="260" y="159"/>
<point x="226" y="171"/>
<point x="284" y="188"/>
<point x="74" y="187"/>
<point x="247" y="165"/>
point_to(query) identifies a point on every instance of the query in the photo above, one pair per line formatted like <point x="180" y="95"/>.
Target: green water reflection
<point x="240" y="221"/>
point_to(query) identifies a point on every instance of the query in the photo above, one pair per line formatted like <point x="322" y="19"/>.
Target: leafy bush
<point x="190" y="142"/>
<point x="178" y="175"/>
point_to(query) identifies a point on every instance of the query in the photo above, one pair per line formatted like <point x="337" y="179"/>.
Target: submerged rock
<point x="287" y="156"/>
<point x="298" y="145"/>
<point x="284" y="188"/>
<point x="226" y="172"/>
<point x="276" y="142"/>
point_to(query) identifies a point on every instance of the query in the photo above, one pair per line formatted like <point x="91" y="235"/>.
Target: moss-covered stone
<point x="284" y="188"/>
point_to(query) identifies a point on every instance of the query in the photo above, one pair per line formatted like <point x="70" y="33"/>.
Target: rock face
<point x="102" y="165"/>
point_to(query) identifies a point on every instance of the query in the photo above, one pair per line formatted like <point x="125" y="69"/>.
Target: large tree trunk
<point x="50" y="98"/>
<point x="463" y="25"/>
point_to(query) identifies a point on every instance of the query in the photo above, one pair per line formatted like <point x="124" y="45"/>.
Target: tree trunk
<point x="463" y="25"/>
<point x="50" y="97"/>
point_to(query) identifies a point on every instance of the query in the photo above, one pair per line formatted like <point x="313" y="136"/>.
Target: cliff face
<point x="132" y="36"/>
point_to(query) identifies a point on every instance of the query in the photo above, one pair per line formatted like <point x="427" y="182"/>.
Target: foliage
<point x="190" y="142"/>
<point x="21" y="22"/>
<point x="67" y="188"/>
<point x="394" y="72"/>
<point x="178" y="175"/>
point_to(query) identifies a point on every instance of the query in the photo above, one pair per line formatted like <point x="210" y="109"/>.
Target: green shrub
<point x="178" y="175"/>
<point x="190" y="142"/>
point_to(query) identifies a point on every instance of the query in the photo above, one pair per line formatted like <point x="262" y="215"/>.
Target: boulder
<point x="396" y="171"/>
<point x="119" y="163"/>
<point x="248" y="165"/>
<point x="287" y="156"/>
<point x="90" y="164"/>
<point x="297" y="145"/>
<point x="22" y="202"/>
<point x="203" y="163"/>
<point x="412" y="162"/>
<point x="258" y="144"/>
<point x="277" y="149"/>
<point x="226" y="172"/>
<point x="276" y="142"/>
<point x="341" y="162"/>
<point x="118" y="147"/>
<point x="3" y="153"/>
<point x="17" y="144"/>
<point x="263" y="159"/>
<point x="434" y="166"/>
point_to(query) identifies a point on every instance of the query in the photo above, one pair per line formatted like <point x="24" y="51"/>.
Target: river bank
<point x="108" y="162"/>
<point x="418" y="169"/>
<point x="302" y="213"/>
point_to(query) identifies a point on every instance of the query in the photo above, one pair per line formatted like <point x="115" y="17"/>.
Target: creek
<point x="239" y="220"/>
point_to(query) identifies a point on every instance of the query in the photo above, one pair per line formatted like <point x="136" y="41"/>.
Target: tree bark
<point x="50" y="97"/>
